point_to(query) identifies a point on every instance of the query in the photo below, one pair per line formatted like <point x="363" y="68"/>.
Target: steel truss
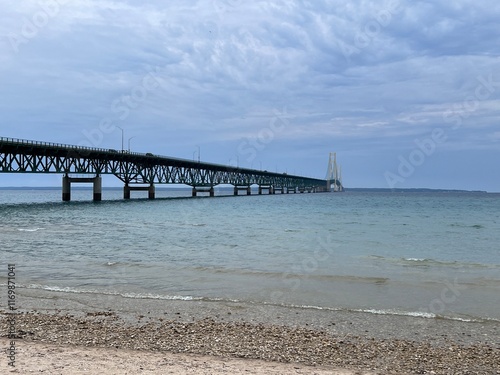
<point x="22" y="156"/>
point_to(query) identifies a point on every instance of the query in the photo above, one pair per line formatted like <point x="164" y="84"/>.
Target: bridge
<point x="140" y="171"/>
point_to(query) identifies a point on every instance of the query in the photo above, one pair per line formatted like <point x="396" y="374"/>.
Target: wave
<point x="434" y="262"/>
<point x="424" y="262"/>
<point x="29" y="229"/>
<point x="413" y="314"/>
<point x="420" y="314"/>
<point x="129" y="295"/>
<point x="291" y="275"/>
<point x="417" y="314"/>
<point x="110" y="293"/>
<point x="474" y="226"/>
<point x="117" y="264"/>
<point x="482" y="282"/>
<point x="429" y="262"/>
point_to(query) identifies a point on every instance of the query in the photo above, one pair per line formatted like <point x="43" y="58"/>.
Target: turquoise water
<point x="430" y="254"/>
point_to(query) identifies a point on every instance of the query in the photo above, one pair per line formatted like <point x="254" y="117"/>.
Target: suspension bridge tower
<point x="334" y="174"/>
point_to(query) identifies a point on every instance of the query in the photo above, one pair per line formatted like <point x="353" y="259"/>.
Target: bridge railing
<point x="41" y="143"/>
<point x="62" y="145"/>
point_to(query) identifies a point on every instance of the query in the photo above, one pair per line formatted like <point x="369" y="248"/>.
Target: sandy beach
<point x="105" y="342"/>
<point x="65" y="359"/>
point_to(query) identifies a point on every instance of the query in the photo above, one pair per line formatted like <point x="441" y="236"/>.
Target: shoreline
<point x="337" y="322"/>
<point x="356" y="342"/>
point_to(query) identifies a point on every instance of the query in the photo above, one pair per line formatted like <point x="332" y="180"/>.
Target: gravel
<point x="271" y="342"/>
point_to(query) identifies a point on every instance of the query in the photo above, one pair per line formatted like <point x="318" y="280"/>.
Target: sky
<point x="405" y="92"/>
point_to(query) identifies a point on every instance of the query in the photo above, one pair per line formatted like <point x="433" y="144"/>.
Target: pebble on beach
<point x="260" y="341"/>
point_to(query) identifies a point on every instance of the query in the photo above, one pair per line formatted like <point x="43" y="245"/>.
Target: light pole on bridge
<point x="194" y="153"/>
<point x="129" y="142"/>
<point x="119" y="127"/>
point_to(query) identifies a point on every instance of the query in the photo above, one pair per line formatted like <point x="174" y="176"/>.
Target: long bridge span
<point x="140" y="171"/>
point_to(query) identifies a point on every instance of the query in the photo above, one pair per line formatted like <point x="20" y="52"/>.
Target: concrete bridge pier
<point x="244" y="188"/>
<point x="269" y="188"/>
<point x="97" y="188"/>
<point x="203" y="189"/>
<point x="127" y="189"/>
<point x="66" y="189"/>
<point x="276" y="189"/>
<point x="151" y="191"/>
<point x="67" y="181"/>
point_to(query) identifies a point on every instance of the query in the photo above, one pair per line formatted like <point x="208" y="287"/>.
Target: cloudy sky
<point x="406" y="92"/>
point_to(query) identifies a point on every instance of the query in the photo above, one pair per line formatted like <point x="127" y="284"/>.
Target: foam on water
<point x="417" y="314"/>
<point x="110" y="293"/>
<point x="430" y="262"/>
<point x="395" y="312"/>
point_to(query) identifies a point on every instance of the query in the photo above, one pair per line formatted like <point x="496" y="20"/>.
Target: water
<point x="431" y="255"/>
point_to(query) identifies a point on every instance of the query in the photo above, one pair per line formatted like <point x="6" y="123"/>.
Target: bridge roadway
<point x="140" y="171"/>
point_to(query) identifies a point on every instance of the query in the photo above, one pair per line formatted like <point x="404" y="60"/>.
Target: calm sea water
<point x="430" y="254"/>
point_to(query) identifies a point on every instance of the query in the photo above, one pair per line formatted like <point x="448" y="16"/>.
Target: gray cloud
<point x="360" y="76"/>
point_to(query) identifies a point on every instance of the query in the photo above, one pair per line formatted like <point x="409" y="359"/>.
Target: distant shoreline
<point x="417" y="190"/>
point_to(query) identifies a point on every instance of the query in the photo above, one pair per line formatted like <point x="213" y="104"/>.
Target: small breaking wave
<point x="416" y="259"/>
<point x="433" y="262"/>
<point x="29" y="229"/>
<point x="474" y="226"/>
<point x="110" y="293"/>
<point x="117" y="264"/>
<point x="429" y="262"/>
<point x="417" y="314"/>
<point x="395" y="312"/>
<point x="292" y="275"/>
<point x="414" y="314"/>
